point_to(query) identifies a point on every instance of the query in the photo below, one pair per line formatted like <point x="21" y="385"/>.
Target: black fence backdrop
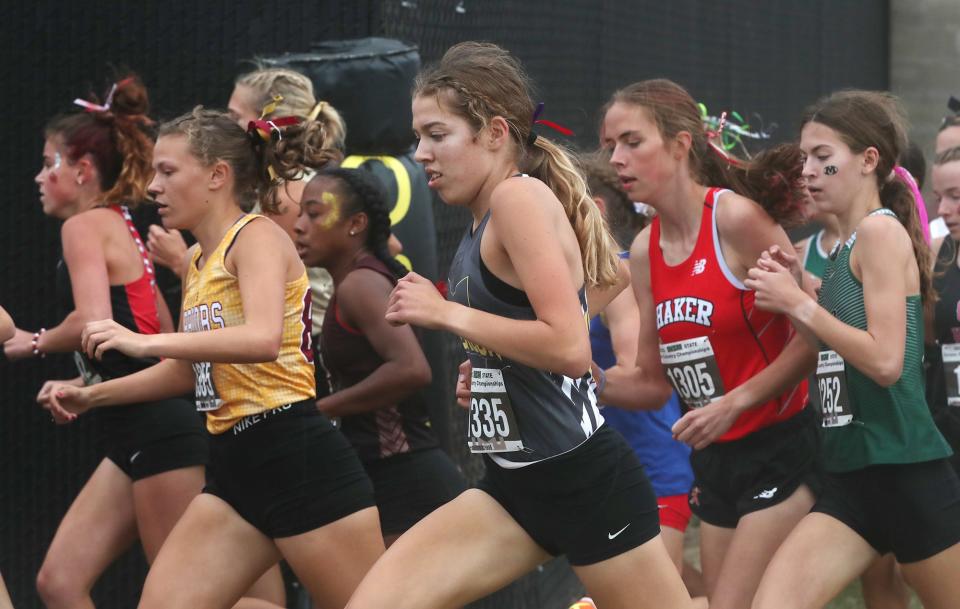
<point x="770" y="57"/>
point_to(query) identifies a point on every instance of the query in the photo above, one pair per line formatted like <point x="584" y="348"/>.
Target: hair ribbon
<point x="546" y="123"/>
<point x="105" y="106"/>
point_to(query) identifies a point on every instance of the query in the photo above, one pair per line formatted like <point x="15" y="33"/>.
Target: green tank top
<point x="863" y="423"/>
<point x="814" y="258"/>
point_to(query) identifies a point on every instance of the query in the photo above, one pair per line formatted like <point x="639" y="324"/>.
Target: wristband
<point x="36" y="343"/>
<point x="601" y="381"/>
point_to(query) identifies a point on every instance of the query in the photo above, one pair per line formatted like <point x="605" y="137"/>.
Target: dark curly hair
<point x="364" y="194"/>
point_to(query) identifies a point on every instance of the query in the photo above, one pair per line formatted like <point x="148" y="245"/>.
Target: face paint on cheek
<point x="57" y="160"/>
<point x="830" y="170"/>
<point x="333" y="215"/>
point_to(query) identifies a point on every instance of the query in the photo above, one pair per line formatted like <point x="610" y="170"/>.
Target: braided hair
<point x="364" y="194"/>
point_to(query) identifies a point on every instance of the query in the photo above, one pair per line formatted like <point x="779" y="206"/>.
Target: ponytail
<point x="116" y="137"/>
<point x="896" y="196"/>
<point x="552" y="165"/>
<point x="287" y="153"/>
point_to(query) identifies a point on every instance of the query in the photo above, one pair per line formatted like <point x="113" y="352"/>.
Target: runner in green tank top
<point x="889" y="488"/>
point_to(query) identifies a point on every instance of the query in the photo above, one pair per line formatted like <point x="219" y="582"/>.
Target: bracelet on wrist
<point x="601" y="380"/>
<point x="36" y="343"/>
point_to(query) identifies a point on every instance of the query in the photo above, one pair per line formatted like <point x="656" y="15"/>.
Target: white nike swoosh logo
<point x="134" y="456"/>
<point x="614" y="535"/>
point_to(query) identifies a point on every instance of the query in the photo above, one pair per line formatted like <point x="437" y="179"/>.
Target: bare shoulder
<point x="262" y="232"/>
<point x="640" y="248"/>
<point x="516" y="197"/>
<point x="736" y="212"/>
<point x="885" y="233"/>
<point x="92" y="220"/>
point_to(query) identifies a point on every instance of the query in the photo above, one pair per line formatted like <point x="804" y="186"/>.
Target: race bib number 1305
<point x="692" y="369"/>
<point x="493" y="426"/>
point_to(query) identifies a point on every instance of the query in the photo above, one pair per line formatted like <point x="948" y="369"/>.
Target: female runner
<point x="889" y="486"/>
<point x="282" y="481"/>
<point x="739" y="371"/>
<point x="557" y="480"/>
<point x="376" y="369"/>
<point x="96" y="166"/>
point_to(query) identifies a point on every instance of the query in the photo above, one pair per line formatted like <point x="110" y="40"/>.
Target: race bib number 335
<point x="206" y="392"/>
<point x="692" y="369"/>
<point x="493" y="426"/>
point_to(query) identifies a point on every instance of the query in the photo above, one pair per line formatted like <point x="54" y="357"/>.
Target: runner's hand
<point x="99" y="336"/>
<point x="415" y="300"/>
<point x="702" y="426"/>
<point x="463" y="384"/>
<point x="66" y="401"/>
<point x="167" y="248"/>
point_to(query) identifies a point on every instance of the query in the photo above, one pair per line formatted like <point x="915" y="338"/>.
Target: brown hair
<point x="479" y="81"/>
<point x="296" y="91"/>
<point x="772" y="178"/>
<point x="259" y="165"/>
<point x="621" y="215"/>
<point x="116" y="141"/>
<point x="865" y="119"/>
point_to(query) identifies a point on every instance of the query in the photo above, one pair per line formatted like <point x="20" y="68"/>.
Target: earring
<point x="352" y="233"/>
<point x="79" y="181"/>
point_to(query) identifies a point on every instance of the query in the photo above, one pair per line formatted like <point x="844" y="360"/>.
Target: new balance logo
<point x="767" y="494"/>
<point x="699" y="266"/>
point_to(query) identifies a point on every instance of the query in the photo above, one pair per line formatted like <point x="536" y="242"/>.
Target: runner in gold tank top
<point x="212" y="300"/>
<point x="282" y="482"/>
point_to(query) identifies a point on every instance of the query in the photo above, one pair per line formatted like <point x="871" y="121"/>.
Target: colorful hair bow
<point x="271" y="107"/>
<point x="105" y="107"/>
<point x="264" y="128"/>
<point x="539" y="121"/>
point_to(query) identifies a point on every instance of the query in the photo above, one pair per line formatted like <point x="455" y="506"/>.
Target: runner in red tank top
<point x="712" y="337"/>
<point x="739" y="371"/>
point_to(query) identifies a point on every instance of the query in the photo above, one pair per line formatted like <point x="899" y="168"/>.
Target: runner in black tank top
<point x="943" y="356"/>
<point x="377" y="372"/>
<point x="556" y="480"/>
<point x="153" y="452"/>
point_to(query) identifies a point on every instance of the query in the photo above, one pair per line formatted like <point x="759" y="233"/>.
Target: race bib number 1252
<point x="831" y="389"/>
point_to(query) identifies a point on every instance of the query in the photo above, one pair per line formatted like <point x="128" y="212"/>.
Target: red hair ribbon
<point x="263" y="128"/>
<point x="539" y="121"/>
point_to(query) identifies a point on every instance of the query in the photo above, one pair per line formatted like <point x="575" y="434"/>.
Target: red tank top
<point x="712" y="338"/>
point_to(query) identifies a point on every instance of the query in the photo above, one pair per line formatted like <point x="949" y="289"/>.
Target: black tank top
<point x="134" y="307"/>
<point x="349" y="358"/>
<point x="519" y="414"/>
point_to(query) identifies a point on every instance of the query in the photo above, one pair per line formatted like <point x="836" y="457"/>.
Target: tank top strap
<point x="223" y="248"/>
<point x="883" y="211"/>
<point x="148" y="269"/>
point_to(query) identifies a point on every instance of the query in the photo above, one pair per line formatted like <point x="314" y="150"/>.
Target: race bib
<point x="493" y="426"/>
<point x="206" y="393"/>
<point x="951" y="372"/>
<point x="692" y="369"/>
<point x="89" y="375"/>
<point x="831" y="390"/>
